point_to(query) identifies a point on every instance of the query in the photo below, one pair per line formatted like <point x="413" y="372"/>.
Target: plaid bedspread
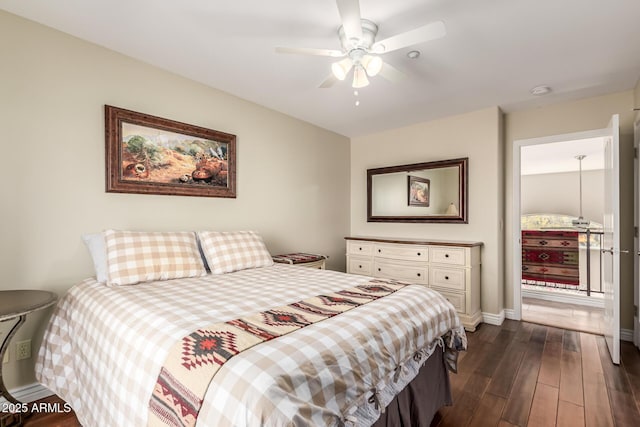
<point x="105" y="346"/>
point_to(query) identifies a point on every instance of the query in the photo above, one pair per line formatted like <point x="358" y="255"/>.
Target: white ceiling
<point x="561" y="156"/>
<point x="494" y="52"/>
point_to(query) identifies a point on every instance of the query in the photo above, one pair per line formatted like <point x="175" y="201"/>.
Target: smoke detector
<point x="540" y="90"/>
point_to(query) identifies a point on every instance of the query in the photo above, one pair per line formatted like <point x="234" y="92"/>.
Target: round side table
<point x="16" y="305"/>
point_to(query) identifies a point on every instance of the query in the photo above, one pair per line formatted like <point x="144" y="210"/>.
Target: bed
<point x="105" y="346"/>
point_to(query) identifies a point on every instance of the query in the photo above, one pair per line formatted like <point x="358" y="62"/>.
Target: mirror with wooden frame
<point x="419" y="192"/>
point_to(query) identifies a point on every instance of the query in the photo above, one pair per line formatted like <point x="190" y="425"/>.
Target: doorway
<point x="558" y="216"/>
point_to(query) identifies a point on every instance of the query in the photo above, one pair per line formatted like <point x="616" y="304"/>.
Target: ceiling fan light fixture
<point x="360" y="77"/>
<point x="372" y="64"/>
<point x="358" y="43"/>
<point x="341" y="68"/>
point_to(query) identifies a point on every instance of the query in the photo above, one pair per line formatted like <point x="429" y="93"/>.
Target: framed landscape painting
<point x="152" y="155"/>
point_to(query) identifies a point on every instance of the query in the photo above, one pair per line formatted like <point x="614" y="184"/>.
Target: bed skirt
<point x="418" y="402"/>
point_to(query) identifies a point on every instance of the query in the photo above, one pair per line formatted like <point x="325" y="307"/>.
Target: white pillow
<point x="233" y="250"/>
<point x="95" y="244"/>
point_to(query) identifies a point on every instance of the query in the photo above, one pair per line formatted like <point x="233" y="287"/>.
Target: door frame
<point x="516" y="267"/>
<point x="636" y="239"/>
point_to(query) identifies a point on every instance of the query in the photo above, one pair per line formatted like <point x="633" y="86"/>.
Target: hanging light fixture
<point x="359" y="77"/>
<point x="580" y="221"/>
<point x="363" y="65"/>
<point x="341" y="68"/>
<point x="372" y="64"/>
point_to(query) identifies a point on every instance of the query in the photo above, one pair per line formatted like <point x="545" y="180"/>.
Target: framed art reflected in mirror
<point x="418" y="191"/>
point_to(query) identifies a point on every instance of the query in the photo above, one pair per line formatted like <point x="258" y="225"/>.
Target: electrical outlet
<point x="23" y="350"/>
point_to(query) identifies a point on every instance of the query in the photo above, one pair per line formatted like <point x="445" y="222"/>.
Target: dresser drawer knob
<point x="418" y="253"/>
<point x="359" y="266"/>
<point x="446" y="277"/>
<point x="446" y="255"/>
<point x="418" y="274"/>
<point x="379" y="250"/>
<point x="379" y="270"/>
<point x="360" y="248"/>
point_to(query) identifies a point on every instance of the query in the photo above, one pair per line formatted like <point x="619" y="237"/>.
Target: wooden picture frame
<point x="418" y="191"/>
<point x="152" y="155"/>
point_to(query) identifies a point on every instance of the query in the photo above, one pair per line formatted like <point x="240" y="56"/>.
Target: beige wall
<point x="475" y="135"/>
<point x="557" y="193"/>
<point x="569" y="117"/>
<point x="291" y="175"/>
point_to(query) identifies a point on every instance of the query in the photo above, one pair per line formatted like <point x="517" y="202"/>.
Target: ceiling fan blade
<point x="310" y="51"/>
<point x="391" y="73"/>
<point x="431" y="31"/>
<point x="350" y="15"/>
<point x="329" y="81"/>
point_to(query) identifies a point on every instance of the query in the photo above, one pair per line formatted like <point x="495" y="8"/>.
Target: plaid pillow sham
<point x="137" y="256"/>
<point x="228" y="251"/>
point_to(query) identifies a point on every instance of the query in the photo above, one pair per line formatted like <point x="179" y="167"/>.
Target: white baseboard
<point x="626" y="335"/>
<point x="493" y="319"/>
<point x="510" y="313"/>
<point x="29" y="393"/>
<point x="565" y="298"/>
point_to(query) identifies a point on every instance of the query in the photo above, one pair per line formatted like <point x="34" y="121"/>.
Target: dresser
<point x="449" y="267"/>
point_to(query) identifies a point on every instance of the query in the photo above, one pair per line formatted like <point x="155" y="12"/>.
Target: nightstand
<point x="302" y="259"/>
<point x="16" y="305"/>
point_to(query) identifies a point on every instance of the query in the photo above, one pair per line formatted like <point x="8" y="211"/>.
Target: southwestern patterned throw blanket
<point x="551" y="256"/>
<point x="196" y="358"/>
<point x="319" y="346"/>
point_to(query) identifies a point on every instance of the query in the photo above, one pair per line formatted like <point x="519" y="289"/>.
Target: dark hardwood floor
<point x="524" y="374"/>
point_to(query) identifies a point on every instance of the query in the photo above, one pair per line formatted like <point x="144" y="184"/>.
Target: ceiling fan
<point x="360" y="49"/>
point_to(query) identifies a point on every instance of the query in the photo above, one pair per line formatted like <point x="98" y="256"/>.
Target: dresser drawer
<point x="362" y="266"/>
<point x="404" y="252"/>
<point x="399" y="270"/>
<point x="451" y="278"/>
<point x="446" y="255"/>
<point x="457" y="300"/>
<point x="359" y="248"/>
